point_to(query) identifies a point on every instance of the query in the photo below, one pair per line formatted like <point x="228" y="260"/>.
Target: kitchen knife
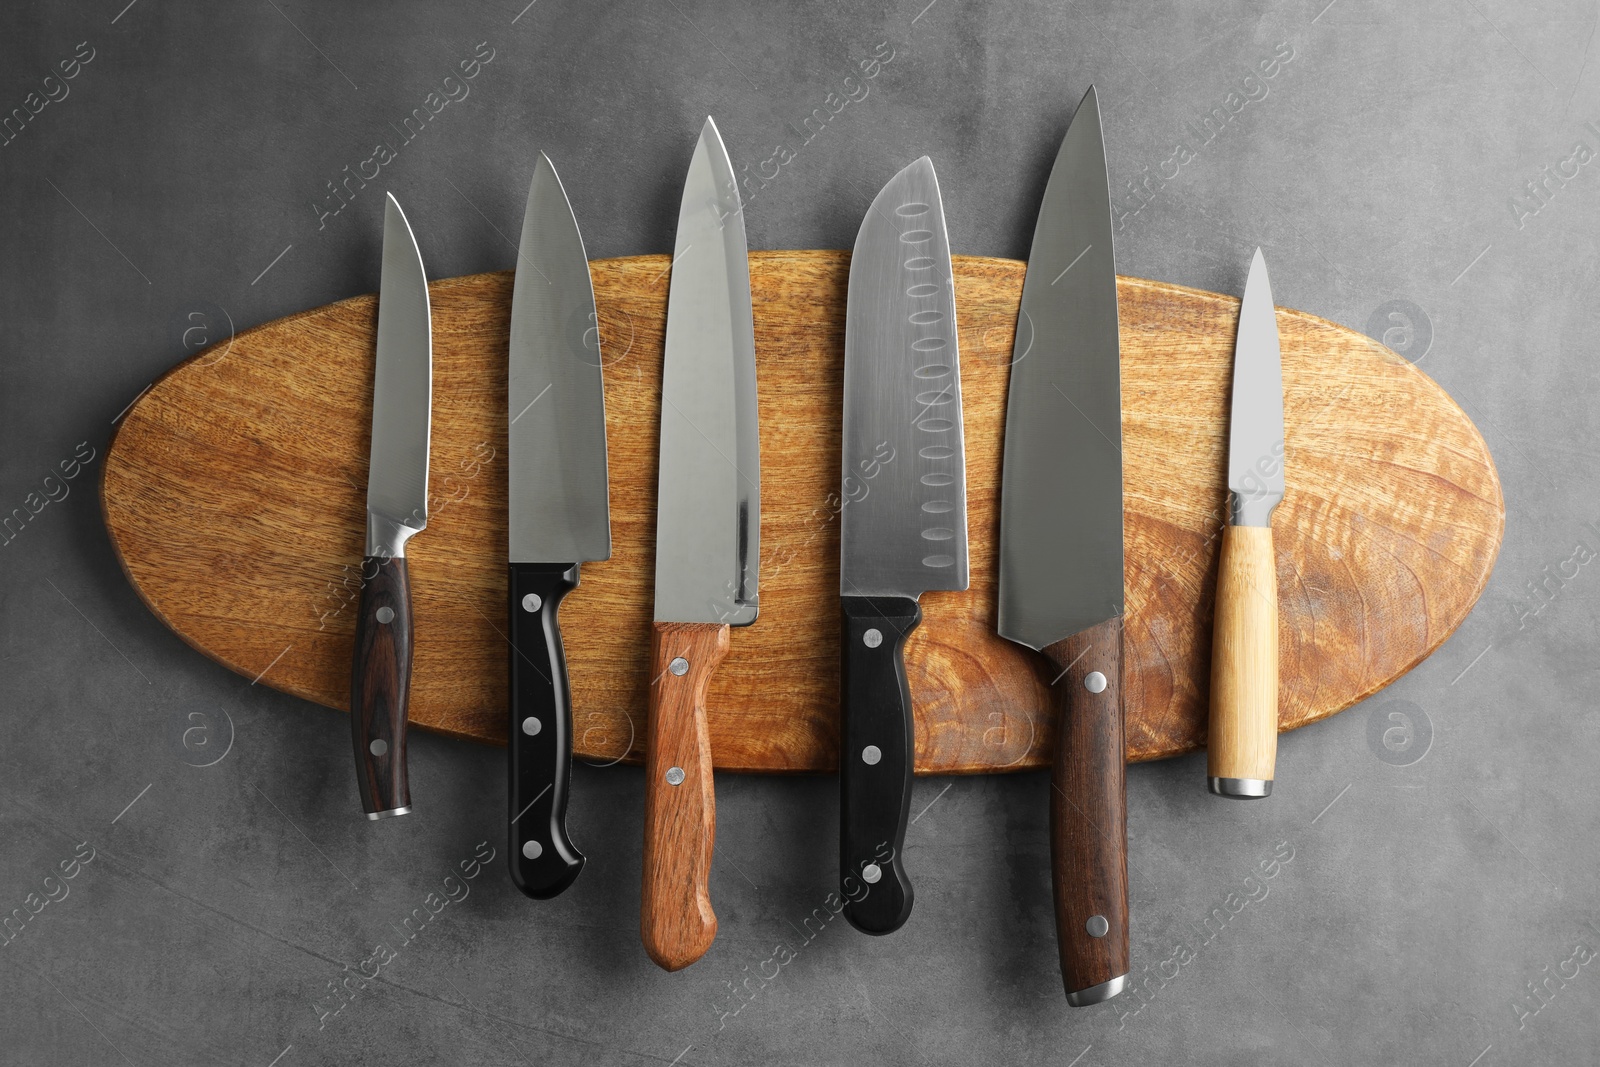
<point x="1061" y="588"/>
<point x="903" y="521"/>
<point x="1243" y="745"/>
<point x="559" y="517"/>
<point x="708" y="522"/>
<point x="397" y="508"/>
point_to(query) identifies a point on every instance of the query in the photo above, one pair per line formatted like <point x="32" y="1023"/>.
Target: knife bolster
<point x="386" y="538"/>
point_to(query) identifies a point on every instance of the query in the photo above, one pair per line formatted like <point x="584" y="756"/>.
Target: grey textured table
<point x="1432" y="852"/>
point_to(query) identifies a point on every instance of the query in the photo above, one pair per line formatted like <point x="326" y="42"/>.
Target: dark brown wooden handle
<point x="680" y="805"/>
<point x="1088" y="814"/>
<point x="380" y="681"/>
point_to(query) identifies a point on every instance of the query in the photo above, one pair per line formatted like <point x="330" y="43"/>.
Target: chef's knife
<point x="1061" y="588"/>
<point x="559" y="517"/>
<point x="1243" y="745"/>
<point x="397" y="508"/>
<point x="903" y="520"/>
<point x="708" y="521"/>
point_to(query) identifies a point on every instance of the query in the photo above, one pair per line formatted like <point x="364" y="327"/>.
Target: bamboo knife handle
<point x="680" y="806"/>
<point x="1089" y="815"/>
<point x="1243" y="744"/>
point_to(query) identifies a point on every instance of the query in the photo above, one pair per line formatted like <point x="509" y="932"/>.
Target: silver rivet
<point x="1097" y="926"/>
<point x="533" y="850"/>
<point x="871" y="755"/>
<point x="1095" y="682"/>
<point x="674" y="775"/>
<point x="386" y="615"/>
<point x="872" y="872"/>
<point x="679" y="666"/>
<point x="872" y="638"/>
<point x="532" y="726"/>
<point x="378" y="747"/>
<point x="531" y="602"/>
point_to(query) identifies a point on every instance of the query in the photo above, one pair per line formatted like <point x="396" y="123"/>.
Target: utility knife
<point x="1243" y="742"/>
<point x="1061" y="585"/>
<point x="708" y="523"/>
<point x="559" y="502"/>
<point x="397" y="508"/>
<point x="903" y="521"/>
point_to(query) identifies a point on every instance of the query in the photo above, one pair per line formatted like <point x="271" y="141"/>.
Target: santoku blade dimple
<point x="1061" y="495"/>
<point x="708" y="510"/>
<point x="903" y="488"/>
<point x="397" y="480"/>
<point x="559" y="500"/>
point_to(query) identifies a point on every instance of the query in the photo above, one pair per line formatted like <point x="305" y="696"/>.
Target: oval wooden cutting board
<point x="234" y="491"/>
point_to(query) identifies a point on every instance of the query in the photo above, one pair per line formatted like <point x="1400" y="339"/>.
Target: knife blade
<point x="903" y="521"/>
<point x="1243" y="745"/>
<point x="397" y="508"/>
<point x="708" y="521"/>
<point x="1061" y="583"/>
<point x="559" y="504"/>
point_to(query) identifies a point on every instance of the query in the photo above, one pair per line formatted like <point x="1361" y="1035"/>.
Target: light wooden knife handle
<point x="680" y="804"/>
<point x="1243" y="745"/>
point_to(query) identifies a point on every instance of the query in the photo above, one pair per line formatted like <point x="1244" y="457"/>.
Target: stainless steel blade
<point x="1255" y="429"/>
<point x="1061" y="491"/>
<point x="904" y="481"/>
<point x="708" y="509"/>
<point x="402" y="394"/>
<point x="559" y="499"/>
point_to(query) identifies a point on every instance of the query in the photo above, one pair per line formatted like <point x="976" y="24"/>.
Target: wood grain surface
<point x="1243" y="739"/>
<point x="234" y="492"/>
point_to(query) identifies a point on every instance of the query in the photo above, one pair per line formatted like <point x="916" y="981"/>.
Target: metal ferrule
<point x="1252" y="509"/>
<point x="1097" y="994"/>
<point x="386" y="539"/>
<point x="1240" y="788"/>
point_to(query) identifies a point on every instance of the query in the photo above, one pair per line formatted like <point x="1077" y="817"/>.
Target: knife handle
<point x="539" y="748"/>
<point x="1089" y="815"/>
<point x="680" y="805"/>
<point x="380" y="685"/>
<point x="1243" y="746"/>
<point x="875" y="752"/>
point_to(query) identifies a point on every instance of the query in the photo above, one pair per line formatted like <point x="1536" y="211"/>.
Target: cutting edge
<point x="1255" y="422"/>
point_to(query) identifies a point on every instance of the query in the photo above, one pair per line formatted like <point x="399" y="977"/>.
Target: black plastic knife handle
<point x="543" y="861"/>
<point x="875" y="754"/>
<point x="380" y="682"/>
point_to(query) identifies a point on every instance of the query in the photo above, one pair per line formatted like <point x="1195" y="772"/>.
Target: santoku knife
<point x="1061" y="585"/>
<point x="903" y="520"/>
<point x="708" y="521"/>
<point x="559" y="517"/>
<point x="397" y="508"/>
<point x="1243" y="743"/>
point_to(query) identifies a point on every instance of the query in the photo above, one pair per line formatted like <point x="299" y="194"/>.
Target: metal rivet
<point x="872" y="872"/>
<point x="1097" y="926"/>
<point x="386" y="615"/>
<point x="531" y="602"/>
<point x="1095" y="682"/>
<point x="674" y="775"/>
<point x="872" y="638"/>
<point x="532" y="726"/>
<point x="871" y="755"/>
<point x="378" y="747"/>
<point x="533" y="850"/>
<point x="679" y="666"/>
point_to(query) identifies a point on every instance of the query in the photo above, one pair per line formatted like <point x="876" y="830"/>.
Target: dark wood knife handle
<point x="876" y="739"/>
<point x="680" y="805"/>
<point x="380" y="683"/>
<point x="1088" y="814"/>
<point x="539" y="748"/>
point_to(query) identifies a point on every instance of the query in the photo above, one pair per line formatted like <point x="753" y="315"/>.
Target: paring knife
<point x="559" y="517"/>
<point x="397" y="508"/>
<point x="1243" y="745"/>
<point x="708" y="522"/>
<point x="903" y="520"/>
<point x="1061" y="586"/>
